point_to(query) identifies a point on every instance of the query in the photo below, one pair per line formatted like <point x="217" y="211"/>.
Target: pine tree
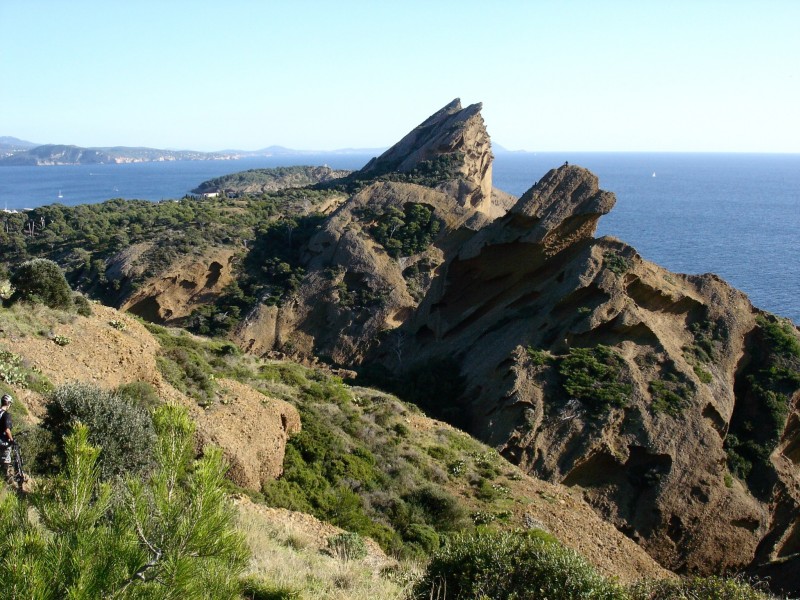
<point x="170" y="535"/>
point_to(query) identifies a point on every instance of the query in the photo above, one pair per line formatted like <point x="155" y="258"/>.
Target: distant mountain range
<point x="17" y="152"/>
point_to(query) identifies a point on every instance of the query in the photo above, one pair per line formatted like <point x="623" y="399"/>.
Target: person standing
<point x="6" y="437"/>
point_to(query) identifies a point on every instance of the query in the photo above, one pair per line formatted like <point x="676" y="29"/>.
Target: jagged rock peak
<point x="454" y="133"/>
<point x="561" y="209"/>
<point x="567" y="202"/>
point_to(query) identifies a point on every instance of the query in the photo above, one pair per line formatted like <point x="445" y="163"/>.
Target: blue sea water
<point x="736" y="215"/>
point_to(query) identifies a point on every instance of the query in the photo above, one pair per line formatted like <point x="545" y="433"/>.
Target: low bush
<point x="347" y="546"/>
<point x="616" y="263"/>
<point x="670" y="395"/>
<point x="139" y="393"/>
<point x="705" y="588"/>
<point x="506" y="565"/>
<point x="123" y="429"/>
<point x="12" y="370"/>
<point x="539" y="357"/>
<point x="595" y="377"/>
<point x="82" y="305"/>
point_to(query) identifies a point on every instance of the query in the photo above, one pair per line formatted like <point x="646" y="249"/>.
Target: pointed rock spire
<point x="456" y="137"/>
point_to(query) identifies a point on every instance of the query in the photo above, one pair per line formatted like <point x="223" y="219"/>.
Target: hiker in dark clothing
<point x="6" y="437"/>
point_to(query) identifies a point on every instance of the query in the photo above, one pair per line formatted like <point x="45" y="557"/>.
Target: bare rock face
<point x="457" y="138"/>
<point x="252" y="431"/>
<point x="188" y="283"/>
<point x="562" y="209"/>
<point x="540" y="318"/>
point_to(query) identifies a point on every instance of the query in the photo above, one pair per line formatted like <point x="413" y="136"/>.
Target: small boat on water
<point x="654" y="173"/>
<point x="60" y="195"/>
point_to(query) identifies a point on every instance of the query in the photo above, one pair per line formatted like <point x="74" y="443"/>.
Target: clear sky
<point x="618" y="75"/>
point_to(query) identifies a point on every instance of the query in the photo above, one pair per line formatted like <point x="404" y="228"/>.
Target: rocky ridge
<point x="667" y="401"/>
<point x="656" y="461"/>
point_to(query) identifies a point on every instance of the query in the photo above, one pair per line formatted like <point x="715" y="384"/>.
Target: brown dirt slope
<point x="251" y="429"/>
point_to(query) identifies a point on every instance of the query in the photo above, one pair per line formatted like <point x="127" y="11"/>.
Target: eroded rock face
<point x="511" y="307"/>
<point x="454" y="135"/>
<point x="188" y="283"/>
<point x="656" y="465"/>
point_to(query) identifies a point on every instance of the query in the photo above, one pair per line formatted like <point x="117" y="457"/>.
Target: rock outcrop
<point x="454" y="139"/>
<point x="188" y="283"/>
<point x="583" y="362"/>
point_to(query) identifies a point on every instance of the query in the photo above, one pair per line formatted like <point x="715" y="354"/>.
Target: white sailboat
<point x="60" y="195"/>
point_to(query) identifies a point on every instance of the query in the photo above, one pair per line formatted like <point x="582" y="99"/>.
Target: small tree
<point x="171" y="537"/>
<point x="41" y="280"/>
<point x="182" y="518"/>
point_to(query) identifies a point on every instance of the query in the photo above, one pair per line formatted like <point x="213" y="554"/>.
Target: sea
<point x="736" y="215"/>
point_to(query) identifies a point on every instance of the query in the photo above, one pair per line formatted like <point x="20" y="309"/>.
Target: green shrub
<point x="423" y="536"/>
<point x="42" y="281"/>
<point x="669" y="395"/>
<point x="139" y="393"/>
<point x="403" y="232"/>
<point x="616" y="263"/>
<point x="765" y="386"/>
<point x="347" y="546"/>
<point x="12" y="371"/>
<point x="82" y="305"/>
<point x="595" y="377"/>
<point x="173" y="536"/>
<point x="705" y="588"/>
<point x="539" y="357"/>
<point x="39" y="450"/>
<point x="61" y="340"/>
<point x="123" y="430"/>
<point x="440" y="509"/>
<point x="703" y="375"/>
<point x="511" y="565"/>
<point x="189" y="371"/>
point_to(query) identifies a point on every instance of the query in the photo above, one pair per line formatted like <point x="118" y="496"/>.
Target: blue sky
<point x="699" y="75"/>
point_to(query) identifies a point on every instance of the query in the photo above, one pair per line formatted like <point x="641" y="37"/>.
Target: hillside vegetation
<point x="364" y="461"/>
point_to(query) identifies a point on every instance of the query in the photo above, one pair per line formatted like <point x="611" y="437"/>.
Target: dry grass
<point x="289" y="557"/>
<point x="21" y="320"/>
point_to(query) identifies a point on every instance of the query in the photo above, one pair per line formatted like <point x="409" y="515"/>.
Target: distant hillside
<point x="59" y="154"/>
<point x="16" y="152"/>
<point x="255" y="181"/>
<point x="10" y="145"/>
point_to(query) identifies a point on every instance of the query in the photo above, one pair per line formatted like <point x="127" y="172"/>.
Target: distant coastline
<point x="21" y="153"/>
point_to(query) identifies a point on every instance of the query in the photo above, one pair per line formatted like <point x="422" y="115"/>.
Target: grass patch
<point x="287" y="562"/>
